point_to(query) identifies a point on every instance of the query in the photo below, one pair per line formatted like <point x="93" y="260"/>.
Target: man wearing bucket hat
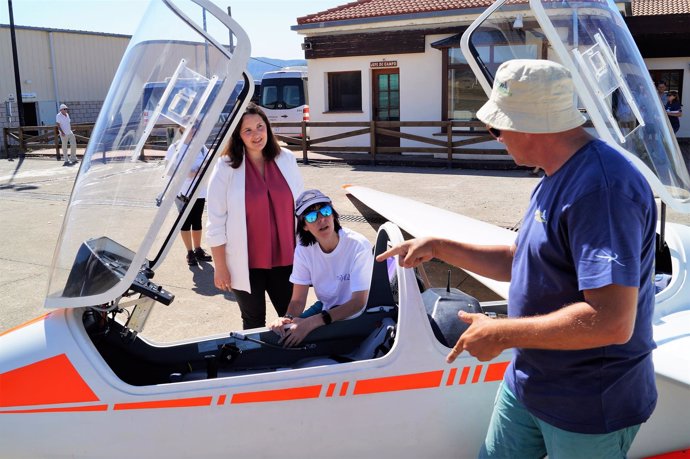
<point x="581" y="295"/>
<point x="64" y="125"/>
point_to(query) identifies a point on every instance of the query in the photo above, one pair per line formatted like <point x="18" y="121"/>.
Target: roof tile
<point x="660" y="7"/>
<point x="379" y="8"/>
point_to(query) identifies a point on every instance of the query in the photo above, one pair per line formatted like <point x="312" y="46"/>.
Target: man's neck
<point x="560" y="147"/>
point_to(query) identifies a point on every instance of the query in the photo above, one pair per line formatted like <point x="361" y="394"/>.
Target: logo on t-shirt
<point x="540" y="216"/>
<point x="610" y="257"/>
<point x="343" y="277"/>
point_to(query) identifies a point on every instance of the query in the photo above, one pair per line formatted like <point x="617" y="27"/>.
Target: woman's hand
<point x="300" y="328"/>
<point x="221" y="277"/>
<point x="278" y="325"/>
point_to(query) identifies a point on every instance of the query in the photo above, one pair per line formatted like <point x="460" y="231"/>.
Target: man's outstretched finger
<point x="393" y="251"/>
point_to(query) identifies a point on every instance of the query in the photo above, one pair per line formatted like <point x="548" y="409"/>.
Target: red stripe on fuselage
<point x="397" y="383"/>
<point x="278" y="395"/>
<point x="48" y="382"/>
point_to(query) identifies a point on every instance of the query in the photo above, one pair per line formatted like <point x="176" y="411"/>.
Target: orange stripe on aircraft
<point x="37" y="319"/>
<point x="464" y="375"/>
<point x="155" y="404"/>
<point x="396" y="383"/>
<point x="495" y="371"/>
<point x="451" y="376"/>
<point x="681" y="454"/>
<point x="221" y="399"/>
<point x="66" y="409"/>
<point x="343" y="389"/>
<point x="50" y="381"/>
<point x="477" y="374"/>
<point x="278" y="395"/>
<point x="331" y="389"/>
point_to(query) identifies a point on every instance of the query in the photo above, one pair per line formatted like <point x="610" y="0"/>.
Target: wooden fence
<point x="441" y="141"/>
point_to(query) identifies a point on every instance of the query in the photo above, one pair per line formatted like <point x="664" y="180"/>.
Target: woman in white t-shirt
<point x="335" y="260"/>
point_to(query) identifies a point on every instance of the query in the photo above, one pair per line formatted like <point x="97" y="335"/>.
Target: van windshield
<point x="283" y="93"/>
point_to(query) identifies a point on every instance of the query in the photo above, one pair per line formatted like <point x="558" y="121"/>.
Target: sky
<point x="267" y="22"/>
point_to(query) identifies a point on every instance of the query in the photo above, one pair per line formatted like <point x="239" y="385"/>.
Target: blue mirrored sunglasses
<point x="325" y="211"/>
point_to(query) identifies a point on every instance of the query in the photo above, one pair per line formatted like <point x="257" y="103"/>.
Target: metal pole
<point x="231" y="42"/>
<point x="203" y="10"/>
<point x="15" y="60"/>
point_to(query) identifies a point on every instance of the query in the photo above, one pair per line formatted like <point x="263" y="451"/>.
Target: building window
<point x="344" y="91"/>
<point x="465" y="94"/>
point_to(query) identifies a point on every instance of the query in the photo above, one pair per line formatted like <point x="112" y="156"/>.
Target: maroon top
<point x="270" y="217"/>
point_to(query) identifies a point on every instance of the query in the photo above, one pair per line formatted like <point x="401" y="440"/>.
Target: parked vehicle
<point x="284" y="98"/>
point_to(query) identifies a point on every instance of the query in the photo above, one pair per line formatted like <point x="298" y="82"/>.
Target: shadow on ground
<point x="202" y="277"/>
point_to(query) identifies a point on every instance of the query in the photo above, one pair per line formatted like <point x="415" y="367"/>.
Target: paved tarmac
<point x="34" y="195"/>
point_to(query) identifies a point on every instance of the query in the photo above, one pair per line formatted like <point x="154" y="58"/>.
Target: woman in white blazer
<point x="251" y="224"/>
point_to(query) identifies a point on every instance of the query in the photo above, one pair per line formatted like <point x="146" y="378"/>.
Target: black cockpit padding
<point x="442" y="307"/>
<point x="380" y="288"/>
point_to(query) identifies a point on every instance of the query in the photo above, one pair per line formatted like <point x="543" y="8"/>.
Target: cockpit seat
<point x="442" y="307"/>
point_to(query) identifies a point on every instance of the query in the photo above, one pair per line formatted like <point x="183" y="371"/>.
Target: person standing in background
<point x="64" y="125"/>
<point x="661" y="90"/>
<point x="191" y="228"/>
<point x="674" y="110"/>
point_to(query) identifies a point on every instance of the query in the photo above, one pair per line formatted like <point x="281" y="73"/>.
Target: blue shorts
<point x="515" y="433"/>
<point x="314" y="309"/>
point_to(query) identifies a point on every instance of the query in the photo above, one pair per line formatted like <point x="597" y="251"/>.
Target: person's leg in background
<point x="186" y="235"/>
<point x="196" y="216"/>
<point x="64" y="139"/>
<point x="73" y="148"/>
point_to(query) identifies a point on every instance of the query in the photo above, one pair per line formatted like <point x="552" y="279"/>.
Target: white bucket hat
<point x="532" y="96"/>
<point x="63" y="106"/>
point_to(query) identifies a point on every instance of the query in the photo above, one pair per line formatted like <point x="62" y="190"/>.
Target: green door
<point x="386" y="103"/>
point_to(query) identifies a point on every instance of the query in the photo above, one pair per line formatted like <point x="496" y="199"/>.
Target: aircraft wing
<point x="421" y="219"/>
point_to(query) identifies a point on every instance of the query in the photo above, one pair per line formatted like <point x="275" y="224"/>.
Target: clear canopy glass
<point x="179" y="79"/>
<point x="614" y="88"/>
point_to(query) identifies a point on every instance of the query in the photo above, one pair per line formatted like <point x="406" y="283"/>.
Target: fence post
<point x="305" y="158"/>
<point x="5" y="133"/>
<point x="372" y="141"/>
<point x="22" y="147"/>
<point x="449" y="133"/>
<point x="57" y="145"/>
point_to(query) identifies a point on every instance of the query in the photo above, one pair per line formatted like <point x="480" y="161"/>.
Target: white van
<point x="284" y="98"/>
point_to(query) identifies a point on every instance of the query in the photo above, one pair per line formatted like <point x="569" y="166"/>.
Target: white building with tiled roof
<point x="357" y="51"/>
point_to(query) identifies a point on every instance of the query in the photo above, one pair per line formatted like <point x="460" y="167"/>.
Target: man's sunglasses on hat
<point x="325" y="211"/>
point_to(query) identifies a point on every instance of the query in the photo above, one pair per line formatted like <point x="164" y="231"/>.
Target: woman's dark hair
<point x="305" y="237"/>
<point x="235" y="148"/>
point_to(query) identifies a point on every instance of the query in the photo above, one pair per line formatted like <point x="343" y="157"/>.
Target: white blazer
<point x="227" y="218"/>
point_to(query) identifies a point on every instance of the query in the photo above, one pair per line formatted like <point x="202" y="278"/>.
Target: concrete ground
<point x="34" y="194"/>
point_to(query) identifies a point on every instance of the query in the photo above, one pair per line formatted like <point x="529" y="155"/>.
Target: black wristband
<point x="289" y="316"/>
<point x="327" y="319"/>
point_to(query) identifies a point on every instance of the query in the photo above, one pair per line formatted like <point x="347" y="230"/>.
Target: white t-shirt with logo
<point x="64" y="122"/>
<point x="336" y="275"/>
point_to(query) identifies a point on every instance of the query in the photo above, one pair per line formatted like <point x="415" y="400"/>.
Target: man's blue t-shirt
<point x="591" y="224"/>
